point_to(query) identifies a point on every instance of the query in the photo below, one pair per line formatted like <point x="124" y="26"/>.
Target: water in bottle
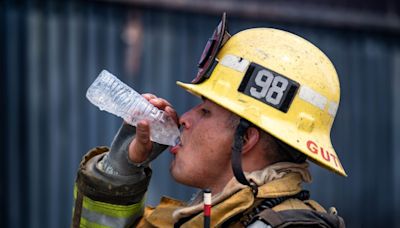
<point x="108" y="93"/>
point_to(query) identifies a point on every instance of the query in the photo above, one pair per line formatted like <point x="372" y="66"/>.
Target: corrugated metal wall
<point x="51" y="52"/>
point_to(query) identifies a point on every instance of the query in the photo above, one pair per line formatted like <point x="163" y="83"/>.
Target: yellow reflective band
<point x="85" y="223"/>
<point x="106" y="220"/>
<point x="117" y="211"/>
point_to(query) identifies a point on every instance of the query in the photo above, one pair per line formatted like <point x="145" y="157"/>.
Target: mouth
<point x="174" y="149"/>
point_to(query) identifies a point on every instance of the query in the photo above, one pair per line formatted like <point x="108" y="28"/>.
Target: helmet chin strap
<point x="237" y="155"/>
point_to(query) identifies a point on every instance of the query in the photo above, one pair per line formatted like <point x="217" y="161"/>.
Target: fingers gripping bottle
<point x="108" y="93"/>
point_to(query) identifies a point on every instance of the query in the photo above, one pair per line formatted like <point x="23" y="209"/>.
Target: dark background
<point x="50" y="52"/>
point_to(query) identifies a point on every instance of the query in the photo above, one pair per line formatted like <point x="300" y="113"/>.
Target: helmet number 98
<point x="271" y="87"/>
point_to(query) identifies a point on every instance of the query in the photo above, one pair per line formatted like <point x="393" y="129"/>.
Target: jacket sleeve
<point x="107" y="200"/>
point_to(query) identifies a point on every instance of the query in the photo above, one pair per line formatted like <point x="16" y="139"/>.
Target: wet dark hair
<point x="278" y="151"/>
<point x="289" y="153"/>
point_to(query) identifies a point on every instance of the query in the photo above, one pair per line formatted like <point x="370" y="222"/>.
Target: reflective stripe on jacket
<point x="100" y="214"/>
<point x="104" y="200"/>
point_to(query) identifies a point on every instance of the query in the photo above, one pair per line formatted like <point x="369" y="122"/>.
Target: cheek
<point x="201" y="150"/>
<point x="207" y="143"/>
<point x="206" y="155"/>
<point x="215" y="144"/>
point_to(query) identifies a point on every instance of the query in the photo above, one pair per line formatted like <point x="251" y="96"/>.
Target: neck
<point x="219" y="185"/>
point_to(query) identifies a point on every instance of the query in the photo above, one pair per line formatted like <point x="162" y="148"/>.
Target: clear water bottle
<point x="112" y="95"/>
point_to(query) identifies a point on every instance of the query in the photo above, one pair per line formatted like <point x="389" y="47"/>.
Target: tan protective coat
<point x="161" y="216"/>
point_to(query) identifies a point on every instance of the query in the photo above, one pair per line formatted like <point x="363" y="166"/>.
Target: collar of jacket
<point x="161" y="216"/>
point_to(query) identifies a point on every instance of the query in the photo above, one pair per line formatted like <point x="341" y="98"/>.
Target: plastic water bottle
<point x="108" y="93"/>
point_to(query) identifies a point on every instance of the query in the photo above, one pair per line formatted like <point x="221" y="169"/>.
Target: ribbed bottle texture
<point x="108" y="93"/>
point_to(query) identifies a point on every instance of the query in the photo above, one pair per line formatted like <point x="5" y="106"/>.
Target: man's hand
<point x="141" y="146"/>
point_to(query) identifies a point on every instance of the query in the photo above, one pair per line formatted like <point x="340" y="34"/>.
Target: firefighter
<point x="269" y="99"/>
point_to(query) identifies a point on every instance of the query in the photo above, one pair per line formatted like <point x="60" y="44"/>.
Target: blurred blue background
<point x="51" y="51"/>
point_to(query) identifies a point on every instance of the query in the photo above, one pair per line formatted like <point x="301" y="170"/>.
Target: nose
<point x="186" y="119"/>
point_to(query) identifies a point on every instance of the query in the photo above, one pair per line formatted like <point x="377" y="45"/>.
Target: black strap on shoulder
<point x="270" y="203"/>
<point x="237" y="154"/>
<point x="76" y="219"/>
<point x="300" y="218"/>
<point x="249" y="216"/>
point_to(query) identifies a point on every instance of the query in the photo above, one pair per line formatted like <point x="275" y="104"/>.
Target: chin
<point x="180" y="177"/>
<point x="173" y="170"/>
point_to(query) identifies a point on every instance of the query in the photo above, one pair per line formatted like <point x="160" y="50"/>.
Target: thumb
<point x="141" y="146"/>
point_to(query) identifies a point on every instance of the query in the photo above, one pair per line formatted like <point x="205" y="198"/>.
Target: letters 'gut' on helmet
<point x="278" y="81"/>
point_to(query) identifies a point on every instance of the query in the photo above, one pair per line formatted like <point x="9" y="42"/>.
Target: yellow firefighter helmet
<point x="279" y="82"/>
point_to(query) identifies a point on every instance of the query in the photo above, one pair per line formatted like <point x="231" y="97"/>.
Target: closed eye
<point x="205" y="111"/>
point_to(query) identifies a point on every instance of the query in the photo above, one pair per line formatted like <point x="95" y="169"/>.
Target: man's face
<point x="203" y="157"/>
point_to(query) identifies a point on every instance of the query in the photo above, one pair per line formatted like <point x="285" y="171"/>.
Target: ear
<point x="250" y="139"/>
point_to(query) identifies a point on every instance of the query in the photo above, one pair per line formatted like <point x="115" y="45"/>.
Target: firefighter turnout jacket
<point x="112" y="200"/>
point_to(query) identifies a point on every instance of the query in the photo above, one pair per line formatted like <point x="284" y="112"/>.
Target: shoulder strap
<point x="314" y="205"/>
<point x="300" y="217"/>
<point x="248" y="216"/>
